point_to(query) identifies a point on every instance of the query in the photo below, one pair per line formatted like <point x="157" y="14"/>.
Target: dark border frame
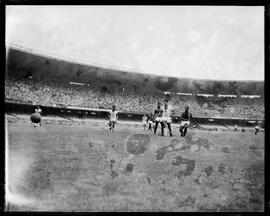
<point x="264" y="3"/>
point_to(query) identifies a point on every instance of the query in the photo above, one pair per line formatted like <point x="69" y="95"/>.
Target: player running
<point x="113" y="116"/>
<point x="166" y="115"/>
<point x="185" y="121"/>
<point x="157" y="118"/>
<point x="144" y="120"/>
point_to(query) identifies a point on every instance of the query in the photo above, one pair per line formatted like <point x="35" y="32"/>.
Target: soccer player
<point x="235" y="128"/>
<point x="113" y="116"/>
<point x="166" y="115"/>
<point x="185" y="121"/>
<point x="257" y="128"/>
<point x="157" y="118"/>
<point x="38" y="111"/>
<point x="150" y="121"/>
<point x="144" y="120"/>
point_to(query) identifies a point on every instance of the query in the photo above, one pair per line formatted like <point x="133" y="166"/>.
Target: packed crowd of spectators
<point x="59" y="93"/>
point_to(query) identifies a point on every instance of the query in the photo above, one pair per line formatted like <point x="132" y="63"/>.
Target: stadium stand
<point x="60" y="93"/>
<point x="34" y="77"/>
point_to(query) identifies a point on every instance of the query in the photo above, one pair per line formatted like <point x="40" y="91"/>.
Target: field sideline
<point x="81" y="166"/>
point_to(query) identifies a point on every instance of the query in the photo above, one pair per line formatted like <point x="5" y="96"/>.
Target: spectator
<point x="60" y="93"/>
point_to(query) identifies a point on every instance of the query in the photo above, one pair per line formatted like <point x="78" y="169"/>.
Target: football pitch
<point x="72" y="166"/>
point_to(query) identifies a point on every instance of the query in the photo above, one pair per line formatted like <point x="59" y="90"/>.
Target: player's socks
<point x="181" y="130"/>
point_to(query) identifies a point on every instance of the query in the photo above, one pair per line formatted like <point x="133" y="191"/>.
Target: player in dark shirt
<point x="185" y="121"/>
<point x="157" y="118"/>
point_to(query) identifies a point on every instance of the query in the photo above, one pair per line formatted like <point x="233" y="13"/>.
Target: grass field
<point x="72" y="166"/>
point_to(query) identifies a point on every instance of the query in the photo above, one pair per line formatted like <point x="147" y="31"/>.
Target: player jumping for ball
<point x="185" y="121"/>
<point x="157" y="119"/>
<point x="113" y="116"/>
<point x="166" y="116"/>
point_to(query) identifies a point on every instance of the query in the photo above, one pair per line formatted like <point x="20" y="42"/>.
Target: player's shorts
<point x="144" y="123"/>
<point x="158" y="119"/>
<point x="185" y="123"/>
<point x="112" y="121"/>
<point x="166" y="119"/>
<point x="150" y="122"/>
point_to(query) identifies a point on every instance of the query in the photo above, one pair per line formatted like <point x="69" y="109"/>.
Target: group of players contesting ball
<point x="162" y="115"/>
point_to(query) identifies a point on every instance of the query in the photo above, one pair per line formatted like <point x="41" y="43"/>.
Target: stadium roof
<point x="19" y="63"/>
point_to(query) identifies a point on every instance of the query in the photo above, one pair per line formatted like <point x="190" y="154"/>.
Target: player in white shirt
<point x="257" y="128"/>
<point x="38" y="111"/>
<point x="113" y="116"/>
<point x="144" y="119"/>
<point x="167" y="112"/>
<point x="157" y="118"/>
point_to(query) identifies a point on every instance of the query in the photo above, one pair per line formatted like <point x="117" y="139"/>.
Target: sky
<point x="201" y="42"/>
